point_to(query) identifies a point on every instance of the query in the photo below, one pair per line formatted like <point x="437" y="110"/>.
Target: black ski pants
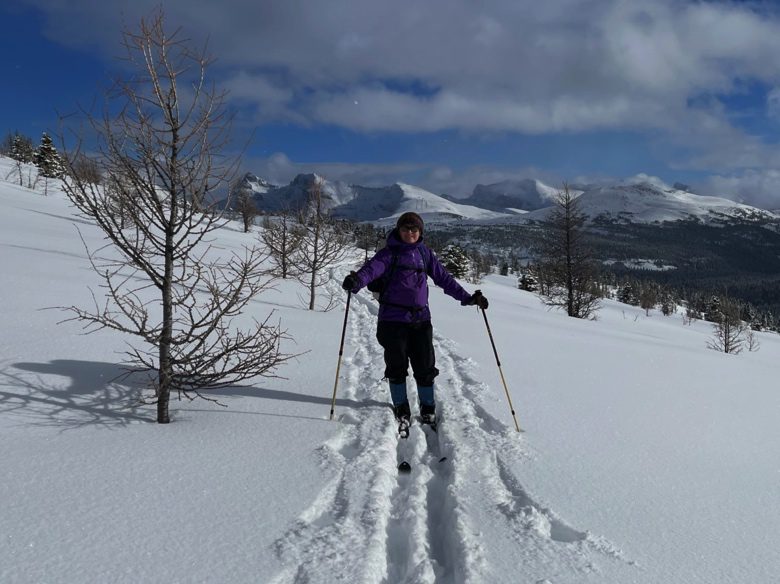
<point x="404" y="343"/>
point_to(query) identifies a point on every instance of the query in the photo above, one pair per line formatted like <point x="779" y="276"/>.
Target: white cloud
<point x="280" y="169"/>
<point x="754" y="187"/>
<point x="535" y="68"/>
<point x="564" y="65"/>
<point x="773" y="103"/>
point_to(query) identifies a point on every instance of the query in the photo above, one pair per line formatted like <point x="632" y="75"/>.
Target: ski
<point x="431" y="430"/>
<point x="403" y="434"/>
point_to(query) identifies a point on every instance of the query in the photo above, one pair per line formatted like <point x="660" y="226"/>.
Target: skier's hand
<point x="350" y="282"/>
<point x="477" y="299"/>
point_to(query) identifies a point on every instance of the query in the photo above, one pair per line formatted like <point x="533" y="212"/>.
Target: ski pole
<point x="341" y="352"/>
<point x="506" y="389"/>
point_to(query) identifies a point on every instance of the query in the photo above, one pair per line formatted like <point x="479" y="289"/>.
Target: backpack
<point x="378" y="285"/>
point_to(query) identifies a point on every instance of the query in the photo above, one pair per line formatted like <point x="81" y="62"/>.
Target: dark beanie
<point x="410" y="219"/>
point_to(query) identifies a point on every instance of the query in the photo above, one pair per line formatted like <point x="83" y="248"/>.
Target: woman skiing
<point x="404" y="329"/>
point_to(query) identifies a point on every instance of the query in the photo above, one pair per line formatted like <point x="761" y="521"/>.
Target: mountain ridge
<point x="642" y="199"/>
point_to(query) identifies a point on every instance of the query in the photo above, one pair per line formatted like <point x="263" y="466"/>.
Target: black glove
<point x="477" y="299"/>
<point x="350" y="282"/>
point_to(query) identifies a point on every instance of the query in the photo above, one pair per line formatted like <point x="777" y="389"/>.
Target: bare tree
<point x="648" y="297"/>
<point x="161" y="155"/>
<point x="566" y="271"/>
<point x="323" y="244"/>
<point x="245" y="205"/>
<point x="282" y="236"/>
<point x="18" y="170"/>
<point x="366" y="238"/>
<point x="728" y="330"/>
<point x="751" y="340"/>
<point x="88" y="169"/>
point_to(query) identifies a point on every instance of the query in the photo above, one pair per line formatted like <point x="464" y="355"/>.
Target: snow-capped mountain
<point x="512" y="196"/>
<point x="295" y="195"/>
<point x="655" y="202"/>
<point x="254" y="184"/>
<point x="640" y="199"/>
<point x="385" y="204"/>
<point x="359" y="203"/>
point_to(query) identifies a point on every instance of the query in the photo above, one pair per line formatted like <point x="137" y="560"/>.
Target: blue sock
<point x="398" y="393"/>
<point x="425" y="394"/>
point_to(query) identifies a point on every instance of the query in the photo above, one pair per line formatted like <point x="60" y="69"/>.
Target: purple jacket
<point x="406" y="297"/>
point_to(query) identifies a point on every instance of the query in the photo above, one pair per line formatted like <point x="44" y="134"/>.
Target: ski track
<point x="371" y="524"/>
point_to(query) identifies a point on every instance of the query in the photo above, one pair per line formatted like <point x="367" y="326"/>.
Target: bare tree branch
<point x="160" y="156"/>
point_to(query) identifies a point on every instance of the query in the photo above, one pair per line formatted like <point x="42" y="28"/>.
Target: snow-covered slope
<point x="431" y="207"/>
<point x="647" y="458"/>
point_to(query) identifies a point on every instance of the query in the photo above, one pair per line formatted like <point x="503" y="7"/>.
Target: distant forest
<point x="740" y="260"/>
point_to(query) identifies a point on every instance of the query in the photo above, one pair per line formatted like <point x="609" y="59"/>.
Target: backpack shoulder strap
<point x="388" y="275"/>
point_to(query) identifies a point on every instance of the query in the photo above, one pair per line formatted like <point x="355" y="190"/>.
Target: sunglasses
<point x="410" y="228"/>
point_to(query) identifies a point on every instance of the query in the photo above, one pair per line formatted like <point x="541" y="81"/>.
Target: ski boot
<point x="428" y="415"/>
<point x="403" y="415"/>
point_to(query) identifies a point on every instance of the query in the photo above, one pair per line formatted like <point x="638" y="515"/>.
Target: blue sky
<point x="447" y="94"/>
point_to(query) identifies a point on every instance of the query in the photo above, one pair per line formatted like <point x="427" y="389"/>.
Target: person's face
<point x="409" y="233"/>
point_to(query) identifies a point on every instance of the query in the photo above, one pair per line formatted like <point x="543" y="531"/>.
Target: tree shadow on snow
<point x="325" y="400"/>
<point x="97" y="393"/>
<point x="109" y="395"/>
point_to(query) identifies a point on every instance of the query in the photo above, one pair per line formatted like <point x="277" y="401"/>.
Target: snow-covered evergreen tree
<point x="626" y="294"/>
<point x="528" y="283"/>
<point x="454" y="258"/>
<point x="21" y="149"/>
<point x="713" y="312"/>
<point x="668" y="303"/>
<point x="47" y="159"/>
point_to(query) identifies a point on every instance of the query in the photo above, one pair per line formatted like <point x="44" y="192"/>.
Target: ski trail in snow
<point x="526" y="537"/>
<point x="467" y="519"/>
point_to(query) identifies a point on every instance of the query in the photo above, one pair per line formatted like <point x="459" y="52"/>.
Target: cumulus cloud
<point x="280" y="169"/>
<point x="555" y="66"/>
<point x="569" y="66"/>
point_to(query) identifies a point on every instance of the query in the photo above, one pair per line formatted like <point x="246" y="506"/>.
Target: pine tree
<point x="668" y="303"/>
<point x="626" y="294"/>
<point x="454" y="258"/>
<point x="21" y="148"/>
<point x="47" y="159"/>
<point x="713" y="312"/>
<point x="528" y="283"/>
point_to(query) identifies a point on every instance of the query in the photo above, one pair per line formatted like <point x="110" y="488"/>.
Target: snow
<point x="511" y="195"/>
<point x="653" y="202"/>
<point x="646" y="457"/>
<point x="641" y="264"/>
<point x="433" y="207"/>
